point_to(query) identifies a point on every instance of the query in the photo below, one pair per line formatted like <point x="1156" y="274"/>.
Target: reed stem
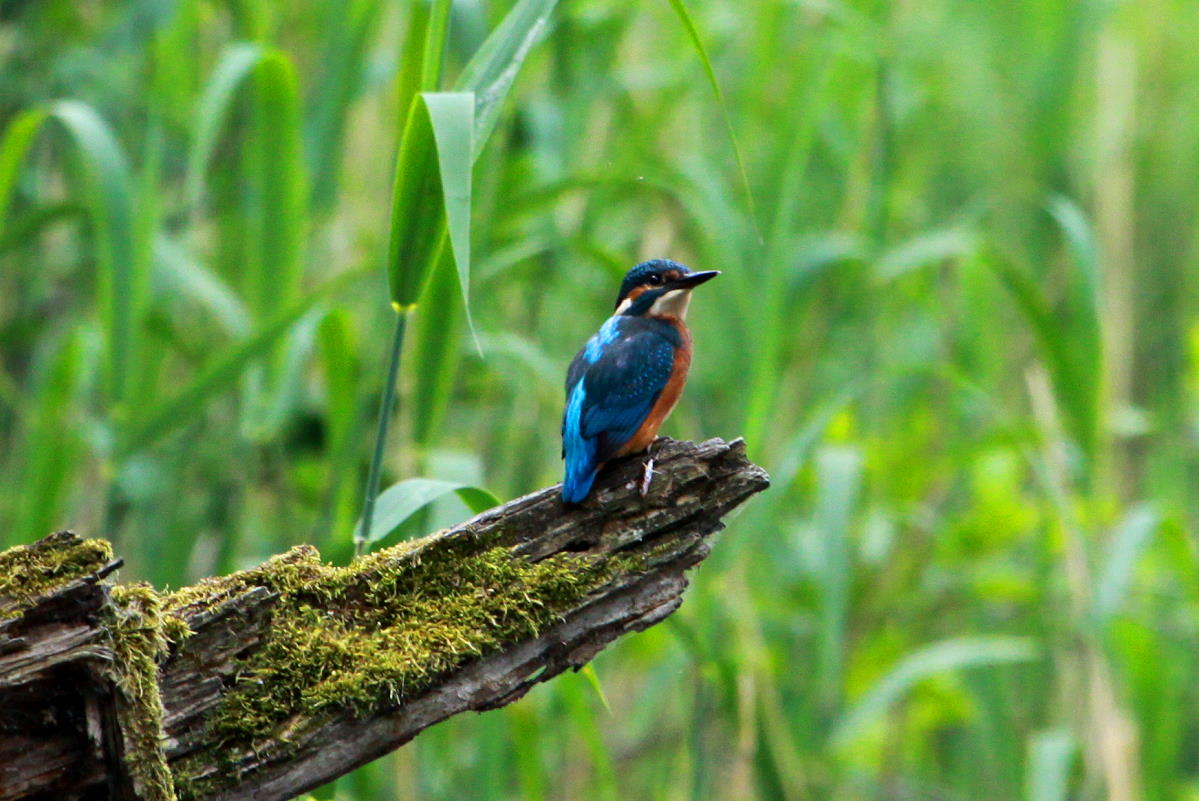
<point x="385" y="409"/>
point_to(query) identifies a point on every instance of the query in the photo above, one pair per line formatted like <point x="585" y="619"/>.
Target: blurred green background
<point x="958" y="323"/>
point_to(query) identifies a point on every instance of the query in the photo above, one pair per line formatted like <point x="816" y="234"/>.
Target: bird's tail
<point x="580" y="472"/>
<point x="578" y="450"/>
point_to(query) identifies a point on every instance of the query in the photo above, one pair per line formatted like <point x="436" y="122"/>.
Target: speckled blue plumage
<point x="611" y="387"/>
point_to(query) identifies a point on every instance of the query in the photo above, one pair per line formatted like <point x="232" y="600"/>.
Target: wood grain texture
<point x="650" y="541"/>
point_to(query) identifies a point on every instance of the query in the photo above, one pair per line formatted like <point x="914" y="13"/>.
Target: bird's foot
<point x="647" y="475"/>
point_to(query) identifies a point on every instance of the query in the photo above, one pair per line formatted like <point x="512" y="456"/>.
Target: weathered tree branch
<point x="273" y="681"/>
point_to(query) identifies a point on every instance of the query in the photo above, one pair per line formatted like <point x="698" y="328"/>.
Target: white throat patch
<point x="673" y="304"/>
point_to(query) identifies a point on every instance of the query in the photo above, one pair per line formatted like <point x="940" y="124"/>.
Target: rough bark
<point x="65" y="698"/>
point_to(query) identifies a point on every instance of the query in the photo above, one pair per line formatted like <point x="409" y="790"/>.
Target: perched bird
<point x="628" y="377"/>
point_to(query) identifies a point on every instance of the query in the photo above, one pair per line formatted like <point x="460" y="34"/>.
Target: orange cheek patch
<point x="637" y="292"/>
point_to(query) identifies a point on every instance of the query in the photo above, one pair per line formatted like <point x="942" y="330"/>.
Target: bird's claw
<point x="647" y="475"/>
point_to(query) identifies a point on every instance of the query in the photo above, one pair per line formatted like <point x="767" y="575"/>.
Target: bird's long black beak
<point x="691" y="280"/>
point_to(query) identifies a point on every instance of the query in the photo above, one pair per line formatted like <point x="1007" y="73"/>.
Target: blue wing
<point x="610" y="389"/>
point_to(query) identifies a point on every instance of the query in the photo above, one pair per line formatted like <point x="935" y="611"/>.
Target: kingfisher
<point x="629" y="375"/>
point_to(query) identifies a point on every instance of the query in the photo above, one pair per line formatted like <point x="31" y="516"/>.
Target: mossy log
<point x="275" y="680"/>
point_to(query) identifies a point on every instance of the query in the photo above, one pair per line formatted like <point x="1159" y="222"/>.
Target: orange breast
<point x="670" y="394"/>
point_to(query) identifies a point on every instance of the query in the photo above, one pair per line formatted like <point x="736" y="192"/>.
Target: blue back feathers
<point x="610" y="389"/>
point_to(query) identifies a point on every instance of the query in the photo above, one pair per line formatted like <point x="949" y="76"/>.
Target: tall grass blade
<point x="280" y="229"/>
<point x="838" y="478"/>
<point x="338" y="85"/>
<point x="1129" y="541"/>
<point x="51" y="442"/>
<point x="941" y="657"/>
<point x="18" y="138"/>
<point x="223" y="373"/>
<point x="1050" y="762"/>
<point x="1082" y="321"/>
<point x="409" y="80"/>
<point x="436" y="37"/>
<point x="684" y="15"/>
<point x="109" y="194"/>
<point x="495" y="65"/>
<point x="451" y="115"/>
<point x="237" y="63"/>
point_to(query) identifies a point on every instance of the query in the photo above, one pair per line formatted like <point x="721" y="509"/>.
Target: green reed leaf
<point x="400" y="501"/>
<point x="436" y="352"/>
<point x="338" y="85"/>
<point x="452" y="118"/>
<point x="18" y="138"/>
<point x="222" y="374"/>
<point x="684" y="15"/>
<point x="431" y="196"/>
<point x="108" y="191"/>
<point x="1050" y="761"/>
<point x="1128" y="543"/>
<point x="51" y="442"/>
<point x="494" y="67"/>
<point x="235" y="66"/>
<point x="940" y="657"/>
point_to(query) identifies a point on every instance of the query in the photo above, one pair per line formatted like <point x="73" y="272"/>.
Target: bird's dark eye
<point x="655" y="279"/>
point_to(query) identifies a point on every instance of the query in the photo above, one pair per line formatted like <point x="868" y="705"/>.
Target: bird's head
<point x="659" y="288"/>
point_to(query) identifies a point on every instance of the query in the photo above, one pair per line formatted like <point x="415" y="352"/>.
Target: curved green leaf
<point x="494" y="66"/>
<point x="693" y="33"/>
<point x="18" y="137"/>
<point x="400" y="501"/>
<point x="452" y="118"/>
<point x="275" y="165"/>
<point x="220" y="375"/>
<point x="431" y="195"/>
<point x="947" y="655"/>
<point x="108" y="199"/>
<point x="187" y="277"/>
<point x="109" y="196"/>
<point x="235" y="66"/>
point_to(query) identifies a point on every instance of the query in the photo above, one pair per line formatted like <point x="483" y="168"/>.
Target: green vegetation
<point x="958" y="323"/>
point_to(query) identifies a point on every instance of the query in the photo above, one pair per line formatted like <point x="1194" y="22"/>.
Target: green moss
<point x="359" y="638"/>
<point x="342" y="639"/>
<point x="28" y="572"/>
<point x="138" y="645"/>
<point x="136" y="638"/>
